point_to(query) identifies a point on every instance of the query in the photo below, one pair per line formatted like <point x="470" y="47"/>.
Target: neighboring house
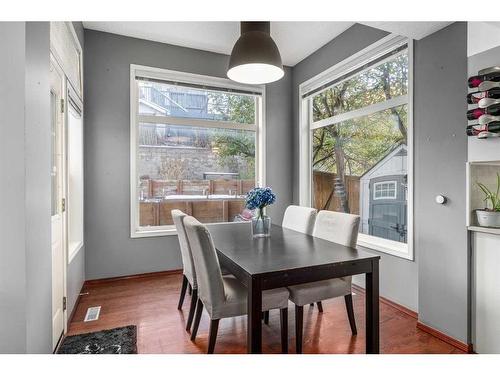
<point x="170" y="101"/>
<point x="158" y="100"/>
<point x="383" y="196"/>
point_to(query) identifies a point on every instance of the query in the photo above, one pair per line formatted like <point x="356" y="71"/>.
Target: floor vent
<point x="92" y="314"/>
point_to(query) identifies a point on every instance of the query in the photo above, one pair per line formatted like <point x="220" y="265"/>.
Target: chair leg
<point x="212" y="336"/>
<point x="197" y="318"/>
<point x="350" y="313"/>
<point x="320" y="306"/>
<point x="299" y="319"/>
<point x="284" y="329"/>
<point x="192" y="308"/>
<point x="266" y="317"/>
<point x="183" y="292"/>
<point x="190" y="289"/>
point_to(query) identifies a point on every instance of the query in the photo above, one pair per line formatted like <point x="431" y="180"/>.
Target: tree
<point x="233" y="144"/>
<point x="352" y="147"/>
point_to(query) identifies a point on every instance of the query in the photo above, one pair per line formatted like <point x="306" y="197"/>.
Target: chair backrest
<point x="337" y="227"/>
<point x="210" y="285"/>
<point x="187" y="258"/>
<point x="300" y="219"/>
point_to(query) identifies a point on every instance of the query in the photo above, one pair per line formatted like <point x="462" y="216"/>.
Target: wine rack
<point x="484" y="104"/>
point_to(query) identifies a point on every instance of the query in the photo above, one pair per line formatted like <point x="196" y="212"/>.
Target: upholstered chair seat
<point x="235" y="300"/>
<point x="304" y="294"/>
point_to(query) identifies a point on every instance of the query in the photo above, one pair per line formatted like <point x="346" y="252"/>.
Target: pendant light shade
<point x="255" y="58"/>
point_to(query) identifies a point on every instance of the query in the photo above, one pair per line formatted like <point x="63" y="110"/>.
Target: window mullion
<point x="365" y="111"/>
<point x="194" y="122"/>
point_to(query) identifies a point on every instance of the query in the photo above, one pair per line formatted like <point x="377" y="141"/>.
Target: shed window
<point x="384" y="190"/>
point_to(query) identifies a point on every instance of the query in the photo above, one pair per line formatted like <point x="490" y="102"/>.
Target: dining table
<point x="286" y="258"/>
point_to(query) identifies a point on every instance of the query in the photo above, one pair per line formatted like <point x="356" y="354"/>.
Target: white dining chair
<point x="188" y="270"/>
<point x="336" y="227"/>
<point x="300" y="219"/>
<point x="224" y="296"/>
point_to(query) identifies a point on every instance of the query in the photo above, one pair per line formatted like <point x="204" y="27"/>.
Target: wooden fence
<point x="322" y="187"/>
<point x="155" y="209"/>
<point x="161" y="188"/>
<point x="205" y="210"/>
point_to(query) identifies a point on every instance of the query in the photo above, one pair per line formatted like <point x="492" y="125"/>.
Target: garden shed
<point x="384" y="196"/>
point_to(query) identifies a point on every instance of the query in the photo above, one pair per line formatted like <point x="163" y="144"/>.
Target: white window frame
<point x="75" y="104"/>
<point x="170" y="75"/>
<point x="307" y="125"/>
<point x="377" y="184"/>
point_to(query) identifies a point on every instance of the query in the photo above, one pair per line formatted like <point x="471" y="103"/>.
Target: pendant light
<point x="255" y="58"/>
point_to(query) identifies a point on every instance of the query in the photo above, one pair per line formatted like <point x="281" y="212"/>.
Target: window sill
<point x="398" y="249"/>
<point x="167" y="231"/>
<point x="170" y="230"/>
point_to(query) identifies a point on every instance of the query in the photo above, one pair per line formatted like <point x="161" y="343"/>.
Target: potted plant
<point x="490" y="216"/>
<point x="257" y="199"/>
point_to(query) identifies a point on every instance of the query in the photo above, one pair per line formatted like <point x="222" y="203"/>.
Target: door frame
<point x="64" y="219"/>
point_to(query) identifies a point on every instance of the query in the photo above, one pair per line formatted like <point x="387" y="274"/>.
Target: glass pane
<point x="53" y="156"/>
<point x="204" y="172"/>
<point x="159" y="99"/>
<point x="75" y="180"/>
<point x="355" y="157"/>
<point x="375" y="85"/>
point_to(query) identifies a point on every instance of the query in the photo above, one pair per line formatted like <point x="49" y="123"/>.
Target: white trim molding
<point x="195" y="79"/>
<point x="357" y="63"/>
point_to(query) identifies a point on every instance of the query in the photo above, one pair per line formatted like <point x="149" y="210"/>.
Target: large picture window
<point x="195" y="147"/>
<point x="357" y="143"/>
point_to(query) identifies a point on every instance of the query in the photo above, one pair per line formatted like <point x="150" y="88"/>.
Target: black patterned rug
<point x="121" y="340"/>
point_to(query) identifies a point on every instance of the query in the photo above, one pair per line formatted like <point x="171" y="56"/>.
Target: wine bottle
<point x="486" y="119"/>
<point x="475" y="97"/>
<point x="492" y="127"/>
<point x="475" y="113"/>
<point x="475" y="81"/>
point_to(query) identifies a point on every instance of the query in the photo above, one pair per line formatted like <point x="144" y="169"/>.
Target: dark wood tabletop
<point x="285" y="249"/>
<point x="288" y="258"/>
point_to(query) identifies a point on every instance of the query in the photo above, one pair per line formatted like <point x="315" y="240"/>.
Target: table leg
<point x="372" y="310"/>
<point x="254" y="324"/>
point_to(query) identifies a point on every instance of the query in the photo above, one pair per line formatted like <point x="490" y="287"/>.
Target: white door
<point x="57" y="175"/>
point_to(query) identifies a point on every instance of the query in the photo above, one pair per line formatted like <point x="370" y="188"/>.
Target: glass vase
<point x="261" y="225"/>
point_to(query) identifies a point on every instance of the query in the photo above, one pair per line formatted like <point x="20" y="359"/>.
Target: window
<point x="384" y="190"/>
<point x="75" y="174"/>
<point x="195" y="146"/>
<point x="356" y="143"/>
<point x="67" y="51"/>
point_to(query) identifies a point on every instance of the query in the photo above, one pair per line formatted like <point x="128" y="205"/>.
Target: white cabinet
<point x="485" y="292"/>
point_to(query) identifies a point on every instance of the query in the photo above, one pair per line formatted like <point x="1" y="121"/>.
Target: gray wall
<point x="75" y="276"/>
<point x="440" y="155"/>
<point x="26" y="277"/>
<point x="12" y="218"/>
<point x="109" y="250"/>
<point x="38" y="189"/>
<point x="398" y="277"/>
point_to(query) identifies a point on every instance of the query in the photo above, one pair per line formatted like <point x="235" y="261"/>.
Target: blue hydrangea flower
<point x="259" y="198"/>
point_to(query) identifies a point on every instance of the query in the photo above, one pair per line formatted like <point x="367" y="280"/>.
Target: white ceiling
<point x="414" y="30"/>
<point x="482" y="36"/>
<point x="295" y="40"/>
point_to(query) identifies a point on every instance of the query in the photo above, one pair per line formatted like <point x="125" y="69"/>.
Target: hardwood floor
<point x="151" y="304"/>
